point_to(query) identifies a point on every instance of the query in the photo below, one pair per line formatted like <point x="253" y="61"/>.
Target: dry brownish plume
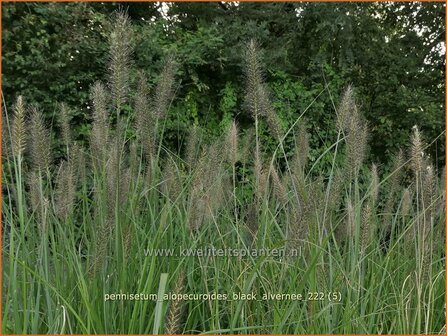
<point x="209" y="188"/>
<point x="257" y="96"/>
<point x="374" y="185"/>
<point x="336" y="190"/>
<point x="145" y="119"/>
<point x="253" y="75"/>
<point x="18" y="128"/>
<point x="298" y="225"/>
<point x="101" y="242"/>
<point x="278" y="187"/>
<point x="120" y="44"/>
<point x="356" y="144"/>
<point x="232" y="143"/>
<point x="416" y="151"/>
<point x="246" y="145"/>
<point x="40" y="142"/>
<point x="174" y="317"/>
<point x="355" y="129"/>
<point x="164" y="91"/>
<point x="100" y="130"/>
<point x="406" y="202"/>
<point x="171" y="184"/>
<point x="346" y="110"/>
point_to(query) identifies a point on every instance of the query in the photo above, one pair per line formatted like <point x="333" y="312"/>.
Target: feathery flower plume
<point x="164" y="90"/>
<point x="406" y="203"/>
<point x="40" y="141"/>
<point x="174" y="318"/>
<point x="374" y="185"/>
<point x="100" y="130"/>
<point x="416" y="151"/>
<point x="278" y="187"/>
<point x="232" y="143"/>
<point x="120" y="42"/>
<point x="18" y="128"/>
<point x="253" y="74"/>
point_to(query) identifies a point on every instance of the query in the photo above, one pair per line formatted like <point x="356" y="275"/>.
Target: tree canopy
<point x="392" y="53"/>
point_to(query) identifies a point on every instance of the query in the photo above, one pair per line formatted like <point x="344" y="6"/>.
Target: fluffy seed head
<point x="232" y="143"/>
<point x="120" y="44"/>
<point x="253" y="74"/>
<point x="416" y="151"/>
<point x="18" y="128"/>
<point x="278" y="187"/>
<point x="346" y="110"/>
<point x="174" y="317"/>
<point x="40" y="141"/>
<point x="374" y="184"/>
<point x="406" y="202"/>
<point x="100" y="130"/>
<point x="164" y="90"/>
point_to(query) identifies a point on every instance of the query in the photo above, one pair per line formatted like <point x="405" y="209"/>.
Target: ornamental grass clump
<point x="127" y="213"/>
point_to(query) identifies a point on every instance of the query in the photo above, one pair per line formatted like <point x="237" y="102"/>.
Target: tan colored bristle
<point x="406" y="203"/>
<point x="100" y="130"/>
<point x="18" y="128"/>
<point x="278" y="187"/>
<point x="120" y="44"/>
<point x="164" y="90"/>
<point x="232" y="143"/>
<point x="356" y="145"/>
<point x="174" y="315"/>
<point x="253" y="74"/>
<point x="40" y="141"/>
<point x="416" y="151"/>
<point x="346" y="110"/>
<point x="374" y="185"/>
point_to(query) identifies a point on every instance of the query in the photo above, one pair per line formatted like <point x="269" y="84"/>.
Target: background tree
<point x="392" y="53"/>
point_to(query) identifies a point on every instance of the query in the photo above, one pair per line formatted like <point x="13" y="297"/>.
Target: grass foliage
<point x="75" y="230"/>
